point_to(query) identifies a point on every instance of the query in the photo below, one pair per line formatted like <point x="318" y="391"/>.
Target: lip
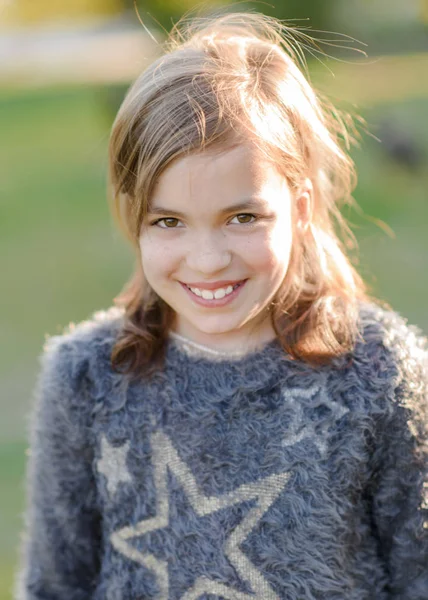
<point x="205" y="285"/>
<point x="215" y="303"/>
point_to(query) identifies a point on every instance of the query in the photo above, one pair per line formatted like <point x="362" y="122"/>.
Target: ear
<point x="304" y="205"/>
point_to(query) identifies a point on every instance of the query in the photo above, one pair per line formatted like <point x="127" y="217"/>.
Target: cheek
<point x="280" y="245"/>
<point x="269" y="251"/>
<point x="156" y="257"/>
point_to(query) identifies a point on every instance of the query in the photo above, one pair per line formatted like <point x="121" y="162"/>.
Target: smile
<point x="216" y="297"/>
<point x="214" y="294"/>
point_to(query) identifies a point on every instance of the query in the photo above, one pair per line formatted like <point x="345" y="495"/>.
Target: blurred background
<point x="64" y="68"/>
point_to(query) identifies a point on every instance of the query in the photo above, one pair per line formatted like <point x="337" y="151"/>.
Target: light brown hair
<point x="222" y="81"/>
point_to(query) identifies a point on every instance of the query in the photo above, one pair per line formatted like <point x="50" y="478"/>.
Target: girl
<point x="245" y="424"/>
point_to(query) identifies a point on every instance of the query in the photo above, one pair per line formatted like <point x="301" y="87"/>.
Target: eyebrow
<point x="251" y="204"/>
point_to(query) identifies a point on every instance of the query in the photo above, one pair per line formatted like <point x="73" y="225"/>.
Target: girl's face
<point x="216" y="244"/>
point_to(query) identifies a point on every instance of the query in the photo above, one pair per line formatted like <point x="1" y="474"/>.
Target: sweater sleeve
<point x="400" y="508"/>
<point x="60" y="544"/>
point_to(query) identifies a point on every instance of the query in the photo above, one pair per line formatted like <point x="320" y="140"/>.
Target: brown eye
<point x="244" y="218"/>
<point x="167" y="223"/>
<point x="171" y="222"/>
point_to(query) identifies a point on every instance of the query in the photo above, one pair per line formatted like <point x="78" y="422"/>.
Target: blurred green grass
<point x="12" y="464"/>
<point x="60" y="258"/>
<point x="55" y="238"/>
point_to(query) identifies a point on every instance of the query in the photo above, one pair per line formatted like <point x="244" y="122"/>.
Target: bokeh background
<point x="64" y="67"/>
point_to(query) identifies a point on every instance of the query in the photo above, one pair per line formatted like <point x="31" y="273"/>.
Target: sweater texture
<point x="250" y="478"/>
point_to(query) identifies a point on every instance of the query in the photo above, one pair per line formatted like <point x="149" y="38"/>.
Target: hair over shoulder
<point x="222" y="81"/>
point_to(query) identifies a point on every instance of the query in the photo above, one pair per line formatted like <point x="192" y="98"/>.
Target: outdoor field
<point x="61" y="258"/>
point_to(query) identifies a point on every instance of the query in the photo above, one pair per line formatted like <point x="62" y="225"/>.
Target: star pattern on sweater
<point x="262" y="493"/>
<point x="112" y="464"/>
<point x="302" y="427"/>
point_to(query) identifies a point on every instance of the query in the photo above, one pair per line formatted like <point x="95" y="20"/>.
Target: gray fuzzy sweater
<point x="257" y="478"/>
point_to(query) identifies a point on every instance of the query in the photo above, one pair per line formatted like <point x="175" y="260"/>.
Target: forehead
<point x="216" y="178"/>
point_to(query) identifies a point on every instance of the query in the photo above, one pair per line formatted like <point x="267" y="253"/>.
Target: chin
<point x="210" y="323"/>
<point x="214" y="329"/>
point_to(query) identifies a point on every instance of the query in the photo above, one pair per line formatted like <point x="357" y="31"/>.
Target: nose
<point x="208" y="255"/>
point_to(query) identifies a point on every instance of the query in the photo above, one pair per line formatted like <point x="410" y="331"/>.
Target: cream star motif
<point x="265" y="491"/>
<point x="300" y="428"/>
<point x="112" y="464"/>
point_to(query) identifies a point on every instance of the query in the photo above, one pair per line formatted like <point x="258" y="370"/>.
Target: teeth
<point x="221" y="293"/>
<point x="213" y="294"/>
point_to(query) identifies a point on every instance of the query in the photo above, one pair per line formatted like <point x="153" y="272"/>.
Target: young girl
<point x="246" y="424"/>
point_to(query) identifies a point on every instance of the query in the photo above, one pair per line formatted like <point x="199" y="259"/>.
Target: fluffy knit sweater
<point x="247" y="478"/>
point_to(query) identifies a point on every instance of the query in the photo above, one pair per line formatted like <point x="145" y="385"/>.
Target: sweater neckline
<point x="199" y="351"/>
<point x="196" y="350"/>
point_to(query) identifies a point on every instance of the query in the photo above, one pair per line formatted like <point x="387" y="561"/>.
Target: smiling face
<point x="216" y="244"/>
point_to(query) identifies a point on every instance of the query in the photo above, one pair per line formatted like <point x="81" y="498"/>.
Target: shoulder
<point x="387" y="340"/>
<point x="378" y="324"/>
<point x="391" y="360"/>
<point x="81" y="353"/>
